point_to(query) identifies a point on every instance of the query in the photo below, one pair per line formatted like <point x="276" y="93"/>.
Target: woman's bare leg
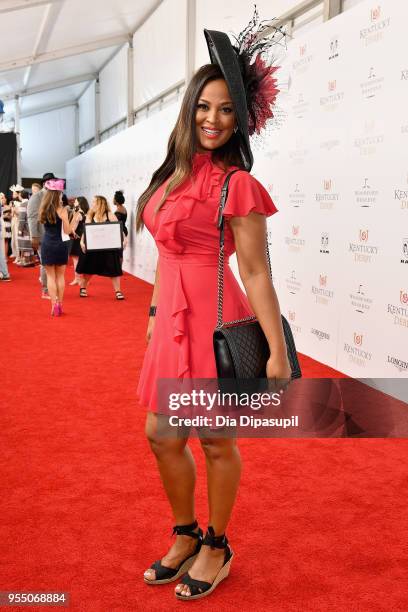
<point x="116" y="283"/>
<point x="60" y="281"/>
<point x="177" y="470"/>
<point x="51" y="283"/>
<point x="223" y="463"/>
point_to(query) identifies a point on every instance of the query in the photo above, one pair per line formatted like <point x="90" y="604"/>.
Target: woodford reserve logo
<point x="293" y="285"/>
<point x="333" y="99"/>
<point x="297" y="196"/>
<point x="356" y="353"/>
<point x="295" y="242"/>
<point x="300" y="106"/>
<point x="377" y="26"/>
<point x="303" y="59"/>
<point x="366" y="195"/>
<point x="322" y="294"/>
<point x="363" y="251"/>
<point x="372" y="84"/>
<point x="328" y="196"/>
<point x="399" y="312"/>
<point x="359" y="300"/>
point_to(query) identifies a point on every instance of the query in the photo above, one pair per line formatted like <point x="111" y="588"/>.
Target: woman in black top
<point x="80" y="205"/>
<point x="121" y="215"/>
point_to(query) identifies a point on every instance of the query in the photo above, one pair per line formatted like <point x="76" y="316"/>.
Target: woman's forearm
<point x="264" y="302"/>
<point x="155" y="295"/>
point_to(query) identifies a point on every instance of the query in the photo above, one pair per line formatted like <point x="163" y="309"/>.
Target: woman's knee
<point x="159" y="442"/>
<point x="217" y="448"/>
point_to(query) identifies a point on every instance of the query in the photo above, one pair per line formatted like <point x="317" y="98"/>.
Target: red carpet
<point x="320" y="525"/>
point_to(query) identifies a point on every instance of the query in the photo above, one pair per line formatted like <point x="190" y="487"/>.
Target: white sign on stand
<point x="103" y="236"/>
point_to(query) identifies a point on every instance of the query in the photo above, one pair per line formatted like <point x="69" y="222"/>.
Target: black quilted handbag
<point x="240" y="347"/>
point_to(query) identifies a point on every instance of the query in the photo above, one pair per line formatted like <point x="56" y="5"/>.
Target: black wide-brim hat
<point x="222" y="53"/>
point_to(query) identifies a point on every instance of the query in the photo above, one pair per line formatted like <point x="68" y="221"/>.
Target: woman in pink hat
<point x="54" y="249"/>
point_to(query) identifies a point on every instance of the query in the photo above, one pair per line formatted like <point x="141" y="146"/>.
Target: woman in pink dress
<point x="180" y="209"/>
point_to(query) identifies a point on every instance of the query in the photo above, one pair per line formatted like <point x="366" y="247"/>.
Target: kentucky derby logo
<point x="332" y="85"/>
<point x="327" y="197"/>
<point x="300" y="65"/>
<point x="362" y="250"/>
<point x="376" y="13"/>
<point x="403" y="297"/>
<point x="291" y="315"/>
<point x="321" y="293"/>
<point x="292" y="318"/>
<point x="331" y="102"/>
<point x="295" y="230"/>
<point x="363" y="235"/>
<point x="327" y="184"/>
<point x="294" y="242"/>
<point x="358" y="339"/>
<point x="302" y="50"/>
<point x="376" y="27"/>
<point x="323" y="280"/>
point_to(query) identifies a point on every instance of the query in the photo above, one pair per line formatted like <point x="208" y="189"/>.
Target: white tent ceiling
<point x="49" y="42"/>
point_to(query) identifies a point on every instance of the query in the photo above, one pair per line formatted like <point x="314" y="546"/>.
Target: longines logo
<point x="404" y="258"/>
<point x="324" y="243"/>
<point x="299" y="153"/>
<point x="304" y="60"/>
<point x="378" y="24"/>
<point x="321" y="293"/>
<point x="360" y="301"/>
<point x="372" y="84"/>
<point x="400" y="312"/>
<point x="328" y="196"/>
<point x="356" y="353"/>
<point x="366" y="196"/>
<point x="363" y="251"/>
<point x="292" y="283"/>
<point x="300" y="106"/>
<point x="294" y="242"/>
<point x="297" y="329"/>
<point x="331" y="102"/>
<point x="321" y="335"/>
<point x="402" y="366"/>
<point x="369" y="142"/>
<point x="334" y="48"/>
<point x="297" y="197"/>
<point x="330" y="144"/>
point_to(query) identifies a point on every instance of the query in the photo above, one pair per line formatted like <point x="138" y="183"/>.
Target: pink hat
<point x="55" y="184"/>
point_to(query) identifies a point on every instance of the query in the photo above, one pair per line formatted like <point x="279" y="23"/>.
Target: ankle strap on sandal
<point x="187" y="530"/>
<point x="214" y="541"/>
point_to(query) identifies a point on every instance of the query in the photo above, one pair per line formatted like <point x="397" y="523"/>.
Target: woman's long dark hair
<point x="182" y="144"/>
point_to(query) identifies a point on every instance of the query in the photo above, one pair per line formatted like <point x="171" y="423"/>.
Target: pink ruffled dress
<point x="186" y="234"/>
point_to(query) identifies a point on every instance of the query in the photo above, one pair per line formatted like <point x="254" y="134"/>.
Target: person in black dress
<point x="103" y="263"/>
<point x="54" y="250"/>
<point x="80" y="205"/>
<point x="121" y="215"/>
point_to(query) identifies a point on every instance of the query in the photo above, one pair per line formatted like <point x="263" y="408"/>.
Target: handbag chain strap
<point x="221" y="258"/>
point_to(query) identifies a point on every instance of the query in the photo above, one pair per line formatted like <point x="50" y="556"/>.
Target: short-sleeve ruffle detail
<point x="245" y="195"/>
<point x="205" y="183"/>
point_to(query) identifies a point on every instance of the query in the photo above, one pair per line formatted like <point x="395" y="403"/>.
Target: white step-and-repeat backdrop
<point x="338" y="171"/>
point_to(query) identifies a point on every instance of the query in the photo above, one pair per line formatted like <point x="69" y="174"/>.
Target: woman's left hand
<point x="278" y="369"/>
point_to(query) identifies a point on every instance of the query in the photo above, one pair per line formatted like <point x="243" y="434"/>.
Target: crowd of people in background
<point x="46" y="229"/>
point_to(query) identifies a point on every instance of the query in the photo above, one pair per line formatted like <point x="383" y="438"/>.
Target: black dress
<point x="54" y="251"/>
<point x="76" y="242"/>
<point x="101" y="263"/>
<point x="122" y="218"/>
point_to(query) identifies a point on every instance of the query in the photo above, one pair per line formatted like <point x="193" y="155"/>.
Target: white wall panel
<point x="48" y="141"/>
<point x="159" y="51"/>
<point x="113" y="90"/>
<point x="87" y="114"/>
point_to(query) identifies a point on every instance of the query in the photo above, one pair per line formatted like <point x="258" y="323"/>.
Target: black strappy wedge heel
<point x="169" y="574"/>
<point x="199" y="588"/>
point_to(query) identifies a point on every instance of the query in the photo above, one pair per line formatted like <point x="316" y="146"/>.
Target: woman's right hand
<point x="150" y="327"/>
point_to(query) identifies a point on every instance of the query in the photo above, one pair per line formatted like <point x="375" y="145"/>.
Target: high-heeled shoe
<point x="200" y="588"/>
<point x="169" y="574"/>
<point x="59" y="307"/>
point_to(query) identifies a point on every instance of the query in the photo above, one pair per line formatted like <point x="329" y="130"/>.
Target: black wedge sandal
<point x="169" y="574"/>
<point x="199" y="588"/>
